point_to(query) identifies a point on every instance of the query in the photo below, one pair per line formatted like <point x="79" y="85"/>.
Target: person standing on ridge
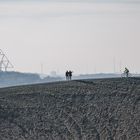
<point x="67" y="75"/>
<point x="70" y="75"/>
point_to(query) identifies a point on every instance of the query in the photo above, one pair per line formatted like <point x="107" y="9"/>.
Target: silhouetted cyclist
<point x="126" y="72"/>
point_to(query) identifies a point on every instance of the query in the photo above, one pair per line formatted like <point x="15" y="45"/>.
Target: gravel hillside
<point x="105" y="109"/>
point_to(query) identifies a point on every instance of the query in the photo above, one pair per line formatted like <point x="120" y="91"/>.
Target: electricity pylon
<point x="4" y="62"/>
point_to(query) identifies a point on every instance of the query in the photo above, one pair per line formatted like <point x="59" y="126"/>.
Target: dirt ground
<point x="103" y="109"/>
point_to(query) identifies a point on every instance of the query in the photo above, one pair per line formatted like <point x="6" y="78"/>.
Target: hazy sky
<point x="84" y="37"/>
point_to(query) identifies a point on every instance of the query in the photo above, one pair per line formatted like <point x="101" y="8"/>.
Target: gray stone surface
<point x="105" y="109"/>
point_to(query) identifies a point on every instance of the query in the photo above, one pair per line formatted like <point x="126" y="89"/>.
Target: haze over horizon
<point x="84" y="37"/>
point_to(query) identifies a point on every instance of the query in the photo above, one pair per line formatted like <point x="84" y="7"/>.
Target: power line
<point x="5" y="64"/>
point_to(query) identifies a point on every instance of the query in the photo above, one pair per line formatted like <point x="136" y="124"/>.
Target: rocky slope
<point x="105" y="109"/>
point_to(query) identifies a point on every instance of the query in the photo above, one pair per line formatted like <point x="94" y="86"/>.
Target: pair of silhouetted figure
<point x="68" y="75"/>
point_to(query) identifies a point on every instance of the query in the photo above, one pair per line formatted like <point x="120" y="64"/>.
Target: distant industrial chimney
<point x="5" y="64"/>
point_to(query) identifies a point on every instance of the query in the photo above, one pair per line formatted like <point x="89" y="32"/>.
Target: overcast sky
<point x="83" y="37"/>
